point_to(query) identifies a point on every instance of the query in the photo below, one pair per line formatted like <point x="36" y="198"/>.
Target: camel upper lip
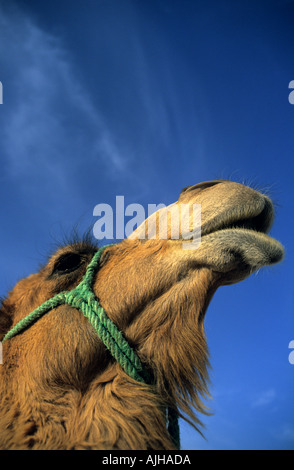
<point x="259" y="221"/>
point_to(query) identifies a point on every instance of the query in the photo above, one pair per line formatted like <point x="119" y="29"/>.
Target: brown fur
<point x="59" y="387"/>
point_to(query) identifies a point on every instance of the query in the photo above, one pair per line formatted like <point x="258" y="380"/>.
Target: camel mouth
<point x="259" y="219"/>
<point x="241" y="234"/>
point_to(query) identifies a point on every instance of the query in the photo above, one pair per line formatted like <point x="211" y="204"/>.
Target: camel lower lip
<point x="251" y="240"/>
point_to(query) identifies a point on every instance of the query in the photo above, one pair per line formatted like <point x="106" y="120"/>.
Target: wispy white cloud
<point x="283" y="435"/>
<point x="287" y="433"/>
<point x="49" y="123"/>
<point x="265" y="398"/>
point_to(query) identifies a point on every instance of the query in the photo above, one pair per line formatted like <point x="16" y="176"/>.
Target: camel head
<point x="155" y="290"/>
<point x="235" y="220"/>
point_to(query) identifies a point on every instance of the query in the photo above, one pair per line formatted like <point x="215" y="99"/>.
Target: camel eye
<point x="67" y="263"/>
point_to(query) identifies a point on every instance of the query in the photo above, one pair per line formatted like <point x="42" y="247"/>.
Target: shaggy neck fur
<point x="176" y="348"/>
<point x="104" y="417"/>
<point x="113" y="411"/>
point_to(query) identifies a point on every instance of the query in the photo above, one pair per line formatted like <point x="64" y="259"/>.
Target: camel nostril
<point x="203" y="185"/>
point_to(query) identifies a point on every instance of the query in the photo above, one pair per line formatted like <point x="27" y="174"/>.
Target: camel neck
<point x="106" y="416"/>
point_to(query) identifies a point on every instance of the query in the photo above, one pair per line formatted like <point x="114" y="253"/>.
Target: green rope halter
<point x="83" y="298"/>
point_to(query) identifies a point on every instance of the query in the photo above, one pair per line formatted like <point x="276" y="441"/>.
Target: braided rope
<point x="83" y="298"/>
<point x="32" y="317"/>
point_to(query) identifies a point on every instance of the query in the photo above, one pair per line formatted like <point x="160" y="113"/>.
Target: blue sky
<point x="142" y="98"/>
